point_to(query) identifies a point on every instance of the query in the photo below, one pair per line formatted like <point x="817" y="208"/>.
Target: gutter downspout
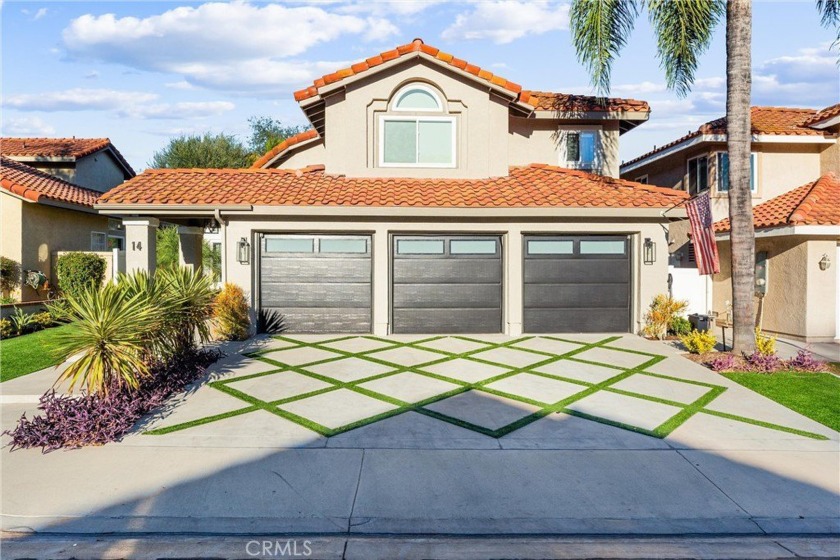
<point x="217" y="214"/>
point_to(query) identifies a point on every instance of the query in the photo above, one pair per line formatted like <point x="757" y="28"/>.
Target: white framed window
<point x="98" y="241"/>
<point x="417" y="97"/>
<point x="417" y="141"/>
<point x="643" y="179"/>
<point x="698" y="174"/>
<point x="581" y="148"/>
<point x="723" y="172"/>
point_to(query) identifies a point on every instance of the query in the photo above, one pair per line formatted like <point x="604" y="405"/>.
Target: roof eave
<point x="790" y="229"/>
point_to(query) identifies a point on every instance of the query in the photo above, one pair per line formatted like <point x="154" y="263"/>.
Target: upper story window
<point x="421" y="134"/>
<point x="581" y="149"/>
<point x="698" y="175"/>
<point x="723" y="173"/>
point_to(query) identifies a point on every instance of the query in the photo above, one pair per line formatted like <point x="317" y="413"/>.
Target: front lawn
<point x="24" y="354"/>
<point x="811" y="394"/>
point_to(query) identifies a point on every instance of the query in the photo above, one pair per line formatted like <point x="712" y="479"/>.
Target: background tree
<point x="267" y="132"/>
<point x="209" y="151"/>
<point x="683" y="30"/>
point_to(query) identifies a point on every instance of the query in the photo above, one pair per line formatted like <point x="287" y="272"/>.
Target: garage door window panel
<point x="473" y="247"/>
<point x="289" y="245"/>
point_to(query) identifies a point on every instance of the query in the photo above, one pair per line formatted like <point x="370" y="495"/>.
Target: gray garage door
<point x="577" y="284"/>
<point x="447" y="284"/>
<point x="319" y="283"/>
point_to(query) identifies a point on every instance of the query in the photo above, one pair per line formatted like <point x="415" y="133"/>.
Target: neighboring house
<point x="42" y="214"/>
<point x="791" y="147"/>
<point x="431" y="196"/>
<point x="92" y="163"/>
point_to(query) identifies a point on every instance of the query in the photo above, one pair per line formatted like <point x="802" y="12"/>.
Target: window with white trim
<point x="698" y="175"/>
<point x="723" y="172"/>
<point x="581" y="148"/>
<point x="643" y="179"/>
<point x="98" y="241"/>
<point x="415" y="139"/>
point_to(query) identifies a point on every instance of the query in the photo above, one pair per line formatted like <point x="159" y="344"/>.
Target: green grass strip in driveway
<point x="200" y="421"/>
<point x="763" y="424"/>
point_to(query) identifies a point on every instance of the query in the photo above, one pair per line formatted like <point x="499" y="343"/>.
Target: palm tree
<point x="683" y="30"/>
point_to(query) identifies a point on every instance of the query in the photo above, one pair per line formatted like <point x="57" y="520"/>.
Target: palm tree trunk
<point x="738" y="86"/>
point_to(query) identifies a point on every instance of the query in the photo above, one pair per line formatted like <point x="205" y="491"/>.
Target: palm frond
<point x="684" y="31"/>
<point x="830" y="16"/>
<point x="600" y="29"/>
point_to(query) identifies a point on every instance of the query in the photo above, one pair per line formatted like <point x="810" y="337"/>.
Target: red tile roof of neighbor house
<point x="59" y="147"/>
<point x="285" y="145"/>
<point x="545" y="101"/>
<point x="536" y="185"/>
<point x="824" y="114"/>
<point x="765" y="120"/>
<point x="34" y="185"/>
<point x="816" y="203"/>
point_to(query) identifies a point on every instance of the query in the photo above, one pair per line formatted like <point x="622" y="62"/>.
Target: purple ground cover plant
<point x="91" y="419"/>
<point x="763" y="363"/>
<point x="805" y="361"/>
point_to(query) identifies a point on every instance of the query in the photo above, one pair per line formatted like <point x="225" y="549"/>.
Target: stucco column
<point x="141" y="244"/>
<point x="513" y="281"/>
<point x="381" y="281"/>
<point x="190" y="244"/>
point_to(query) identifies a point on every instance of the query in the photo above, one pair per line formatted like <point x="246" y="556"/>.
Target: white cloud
<point x="40" y="13"/>
<point x="232" y="46"/>
<point x="78" y="99"/>
<point x="92" y="75"/>
<point x="184" y="110"/>
<point x="809" y="78"/>
<point x="507" y="20"/>
<point x="400" y="8"/>
<point x="27" y="126"/>
<point x="182" y="84"/>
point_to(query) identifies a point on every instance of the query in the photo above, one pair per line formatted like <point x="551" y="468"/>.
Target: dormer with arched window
<point x="417" y="130"/>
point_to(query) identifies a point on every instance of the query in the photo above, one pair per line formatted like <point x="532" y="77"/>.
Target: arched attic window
<point x="410" y="136"/>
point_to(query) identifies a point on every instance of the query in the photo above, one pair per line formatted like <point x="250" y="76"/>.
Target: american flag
<point x="702" y="234"/>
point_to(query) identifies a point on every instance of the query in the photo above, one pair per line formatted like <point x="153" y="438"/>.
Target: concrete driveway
<point x="459" y="435"/>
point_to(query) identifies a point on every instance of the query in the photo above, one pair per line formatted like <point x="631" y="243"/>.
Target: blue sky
<point x="142" y="72"/>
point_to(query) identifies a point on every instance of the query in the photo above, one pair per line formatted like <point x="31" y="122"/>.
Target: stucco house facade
<point x="795" y="161"/>
<point x="430" y="196"/>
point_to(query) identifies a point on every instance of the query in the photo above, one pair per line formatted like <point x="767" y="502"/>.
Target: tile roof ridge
<point x="613" y="181"/>
<point x="812" y="197"/>
<point x="302" y="136"/>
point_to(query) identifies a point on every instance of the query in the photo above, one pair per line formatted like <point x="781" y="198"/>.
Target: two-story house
<point x="795" y="163"/>
<point x="47" y="190"/>
<point x="430" y="196"/>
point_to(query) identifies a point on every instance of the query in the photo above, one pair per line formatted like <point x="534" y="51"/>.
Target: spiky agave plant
<point x="110" y="331"/>
<point x="189" y="297"/>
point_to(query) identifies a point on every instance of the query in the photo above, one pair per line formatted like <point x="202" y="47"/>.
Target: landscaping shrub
<point x="764" y="344"/>
<point x="805" y="361"/>
<point x="43" y="320"/>
<point x="679" y="326"/>
<point x="99" y="418"/>
<point x="231" y="314"/>
<point x="724" y="362"/>
<point x="79" y="271"/>
<point x="764" y="362"/>
<point x="9" y="275"/>
<point x="659" y="315"/>
<point x="189" y="295"/>
<point x="22" y="323"/>
<point x="698" y="342"/>
<point x="6" y="328"/>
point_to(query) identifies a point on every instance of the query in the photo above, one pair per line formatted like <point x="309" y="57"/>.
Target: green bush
<point x="658" y="317"/>
<point x="6" y="329"/>
<point x="9" y="275"/>
<point x="79" y="271"/>
<point x="698" y="342"/>
<point x="679" y="326"/>
<point x="43" y="320"/>
<point x="22" y="322"/>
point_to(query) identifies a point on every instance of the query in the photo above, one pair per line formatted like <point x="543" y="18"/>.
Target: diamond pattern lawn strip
<point x="687" y="412"/>
<point x="612" y="423"/>
<point x="763" y="424"/>
<point x="200" y="421"/>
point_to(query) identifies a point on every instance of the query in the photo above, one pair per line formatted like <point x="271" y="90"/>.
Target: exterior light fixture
<point x="243" y="251"/>
<point x="649" y="251"/>
<point x="825" y="262"/>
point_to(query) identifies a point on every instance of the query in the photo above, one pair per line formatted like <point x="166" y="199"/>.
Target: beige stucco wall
<point x="99" y="172"/>
<point x="648" y="280"/>
<point x="489" y="140"/>
<point x="801" y="299"/>
<point x="46" y="230"/>
<point x="12" y="229"/>
<point x="830" y="157"/>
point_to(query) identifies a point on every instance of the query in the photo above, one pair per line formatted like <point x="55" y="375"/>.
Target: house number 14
<point x="136" y="246"/>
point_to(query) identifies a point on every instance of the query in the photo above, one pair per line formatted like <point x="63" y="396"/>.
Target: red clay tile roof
<point x="285" y="145"/>
<point x="536" y="185"/>
<point x="539" y="100"/>
<point x="816" y="203"/>
<point x="765" y="120"/>
<point x="31" y="184"/>
<point x="563" y="102"/>
<point x="59" y="147"/>
<point x="824" y="114"/>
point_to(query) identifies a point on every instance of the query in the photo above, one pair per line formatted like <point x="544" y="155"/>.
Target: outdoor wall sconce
<point x="825" y="262"/>
<point x="243" y="251"/>
<point x="649" y="251"/>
